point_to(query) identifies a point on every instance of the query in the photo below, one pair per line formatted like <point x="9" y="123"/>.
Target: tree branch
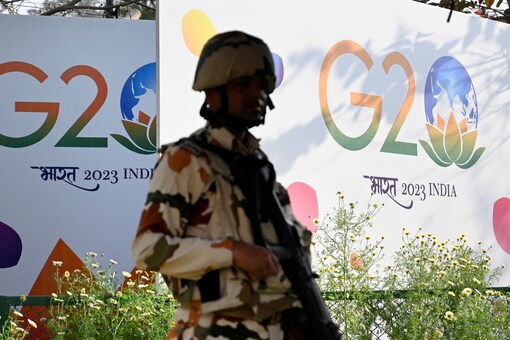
<point x="10" y="2"/>
<point x="62" y="8"/>
<point x="8" y="5"/>
<point x="72" y="5"/>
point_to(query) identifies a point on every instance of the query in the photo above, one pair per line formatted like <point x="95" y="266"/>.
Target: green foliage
<point x="346" y="257"/>
<point x="16" y="326"/>
<point x="432" y="289"/>
<point x="447" y="281"/>
<point x="90" y="304"/>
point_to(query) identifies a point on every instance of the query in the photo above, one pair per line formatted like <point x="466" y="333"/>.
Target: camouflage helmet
<point x="231" y="55"/>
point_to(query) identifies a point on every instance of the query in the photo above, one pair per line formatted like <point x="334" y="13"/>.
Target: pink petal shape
<point x="501" y="223"/>
<point x="304" y="204"/>
<point x="355" y="261"/>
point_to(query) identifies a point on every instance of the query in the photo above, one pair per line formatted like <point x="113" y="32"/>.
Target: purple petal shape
<point x="10" y="246"/>
<point x="278" y="69"/>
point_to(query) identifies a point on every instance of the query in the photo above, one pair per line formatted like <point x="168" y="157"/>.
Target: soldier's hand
<point x="258" y="262"/>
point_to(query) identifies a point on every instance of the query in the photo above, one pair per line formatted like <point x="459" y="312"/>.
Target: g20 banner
<point x="78" y="141"/>
<point x="373" y="97"/>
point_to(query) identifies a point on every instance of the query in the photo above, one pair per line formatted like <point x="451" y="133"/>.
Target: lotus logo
<point x="449" y="90"/>
<point x="452" y="143"/>
<point x="138" y="107"/>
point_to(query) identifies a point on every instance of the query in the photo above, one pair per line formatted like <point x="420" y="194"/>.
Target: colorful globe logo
<point x="449" y="89"/>
<point x="138" y="107"/>
<point x="451" y="110"/>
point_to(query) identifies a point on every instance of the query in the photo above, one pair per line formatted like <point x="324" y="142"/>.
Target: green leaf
<point x="428" y="149"/>
<point x="129" y="145"/>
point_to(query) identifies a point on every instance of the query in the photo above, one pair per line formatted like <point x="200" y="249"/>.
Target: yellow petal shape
<point x="452" y="139"/>
<point x="436" y="139"/>
<point x="197" y="28"/>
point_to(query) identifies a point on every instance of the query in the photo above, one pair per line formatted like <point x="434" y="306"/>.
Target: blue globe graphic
<point x="449" y="89"/>
<point x="140" y="85"/>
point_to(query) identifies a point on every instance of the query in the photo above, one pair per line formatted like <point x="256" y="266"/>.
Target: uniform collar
<point x="223" y="138"/>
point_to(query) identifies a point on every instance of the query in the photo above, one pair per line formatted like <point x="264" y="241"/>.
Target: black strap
<point x="209" y="286"/>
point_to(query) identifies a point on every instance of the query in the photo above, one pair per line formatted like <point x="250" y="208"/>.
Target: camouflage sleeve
<point x="160" y="244"/>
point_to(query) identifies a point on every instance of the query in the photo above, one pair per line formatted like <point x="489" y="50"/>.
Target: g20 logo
<point x="137" y="103"/>
<point x="449" y="92"/>
<point x="140" y="128"/>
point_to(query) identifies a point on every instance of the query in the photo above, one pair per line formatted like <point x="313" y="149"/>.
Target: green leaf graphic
<point x="129" y="145"/>
<point x="473" y="160"/>
<point x="428" y="149"/>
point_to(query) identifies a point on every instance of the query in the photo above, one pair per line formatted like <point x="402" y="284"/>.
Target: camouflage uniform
<point x="192" y="214"/>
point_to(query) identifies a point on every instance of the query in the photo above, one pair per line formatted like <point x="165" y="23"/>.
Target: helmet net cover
<point x="231" y="55"/>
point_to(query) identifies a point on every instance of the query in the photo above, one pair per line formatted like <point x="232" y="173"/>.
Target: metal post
<point x="4" y="311"/>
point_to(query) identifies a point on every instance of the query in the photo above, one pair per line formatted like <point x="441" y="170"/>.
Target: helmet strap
<point x="205" y="112"/>
<point x="269" y="104"/>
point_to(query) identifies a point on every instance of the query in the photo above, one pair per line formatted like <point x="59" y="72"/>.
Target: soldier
<point x="204" y="226"/>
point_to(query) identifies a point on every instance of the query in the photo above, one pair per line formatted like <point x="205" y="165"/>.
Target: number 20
<point x="365" y="100"/>
<point x="70" y="138"/>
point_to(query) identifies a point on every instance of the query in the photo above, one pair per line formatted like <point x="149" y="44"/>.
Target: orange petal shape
<point x="45" y="284"/>
<point x="452" y="139"/>
<point x="197" y="28"/>
<point x="143" y="118"/>
<point x="440" y="122"/>
<point x="356" y="261"/>
<point x="436" y="139"/>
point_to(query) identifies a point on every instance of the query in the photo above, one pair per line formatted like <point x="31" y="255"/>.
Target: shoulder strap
<point x="189" y="144"/>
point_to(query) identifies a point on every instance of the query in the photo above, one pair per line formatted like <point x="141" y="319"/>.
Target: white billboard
<point x="77" y="142"/>
<point x="373" y="96"/>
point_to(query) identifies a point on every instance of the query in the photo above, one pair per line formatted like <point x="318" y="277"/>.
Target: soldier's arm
<point x="160" y="244"/>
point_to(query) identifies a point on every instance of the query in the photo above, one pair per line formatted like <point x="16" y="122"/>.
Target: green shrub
<point x="432" y="289"/>
<point x="90" y="304"/>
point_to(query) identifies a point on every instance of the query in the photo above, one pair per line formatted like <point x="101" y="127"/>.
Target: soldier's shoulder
<point x="185" y="144"/>
<point x="190" y="144"/>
